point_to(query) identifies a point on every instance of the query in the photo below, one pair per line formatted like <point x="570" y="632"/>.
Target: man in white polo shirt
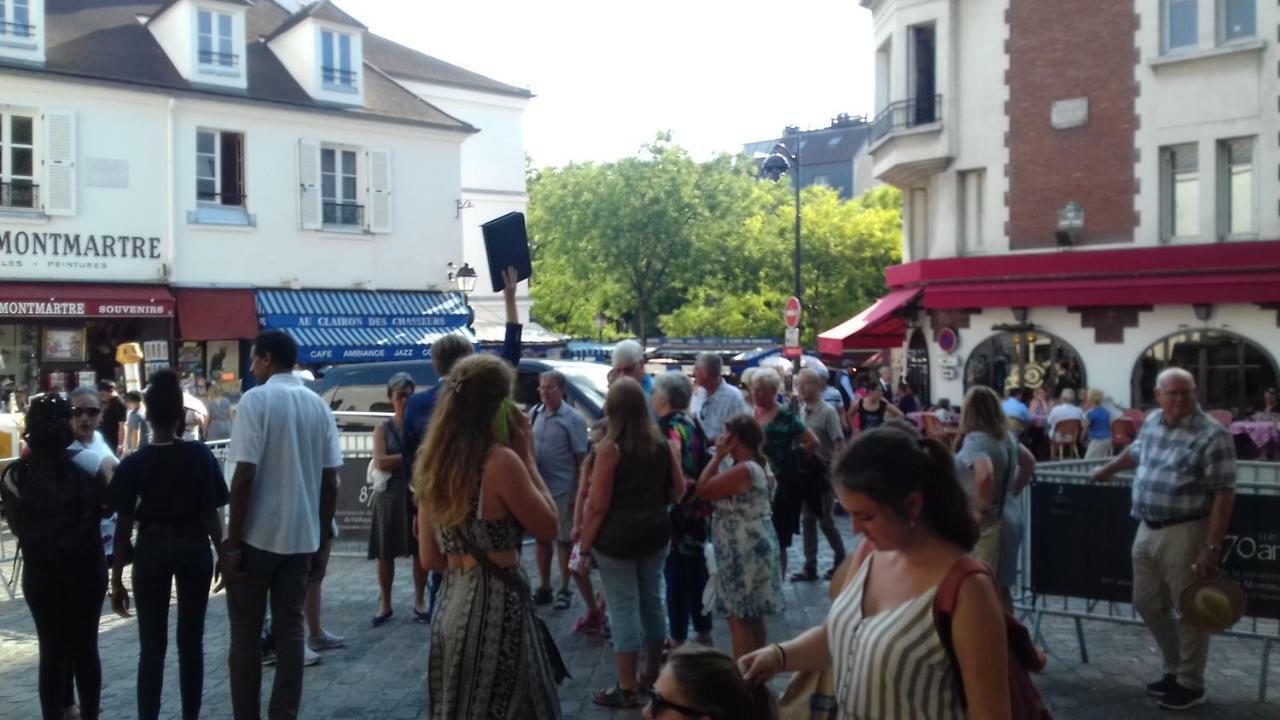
<point x="283" y="493"/>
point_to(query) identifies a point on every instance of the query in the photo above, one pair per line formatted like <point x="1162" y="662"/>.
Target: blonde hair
<point x="982" y="412"/>
<point x="447" y="471"/>
<point x="1094" y="397"/>
<point x="631" y="427"/>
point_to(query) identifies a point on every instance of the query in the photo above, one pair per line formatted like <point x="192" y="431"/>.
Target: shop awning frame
<point x="1214" y="288"/>
<point x="77" y="301"/>
<point x="879" y="326"/>
<point x="216" y="314"/>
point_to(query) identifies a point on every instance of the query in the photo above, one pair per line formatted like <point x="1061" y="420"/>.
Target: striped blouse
<point x="891" y="665"/>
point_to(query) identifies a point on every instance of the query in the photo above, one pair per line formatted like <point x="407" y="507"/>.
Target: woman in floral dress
<point x="748" y="572"/>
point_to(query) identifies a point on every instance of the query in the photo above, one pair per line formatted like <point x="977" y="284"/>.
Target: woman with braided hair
<point x="53" y="506"/>
<point x="478" y="491"/>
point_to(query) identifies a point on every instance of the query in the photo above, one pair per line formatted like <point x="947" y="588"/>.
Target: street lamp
<point x="601" y="321"/>
<point x="466" y="279"/>
<point x="779" y="162"/>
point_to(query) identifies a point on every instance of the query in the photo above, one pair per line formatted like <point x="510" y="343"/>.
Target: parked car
<point x="351" y="390"/>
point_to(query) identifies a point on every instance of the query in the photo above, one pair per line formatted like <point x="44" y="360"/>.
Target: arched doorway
<point x="1231" y="371"/>
<point x="918" y="367"/>
<point x="1025" y="358"/>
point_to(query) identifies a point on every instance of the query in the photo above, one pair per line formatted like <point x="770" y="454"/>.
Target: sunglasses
<point x="83" y="411"/>
<point x="659" y="705"/>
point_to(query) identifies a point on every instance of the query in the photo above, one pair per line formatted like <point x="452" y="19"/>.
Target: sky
<point x="608" y="75"/>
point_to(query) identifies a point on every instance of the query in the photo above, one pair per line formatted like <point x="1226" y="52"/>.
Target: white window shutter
<point x="310" y="213"/>
<point x="379" y="164"/>
<point x="59" y="190"/>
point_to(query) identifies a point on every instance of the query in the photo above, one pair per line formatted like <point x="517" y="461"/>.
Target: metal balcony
<point x="343" y="214"/>
<point x="218" y="59"/>
<point x="336" y="76"/>
<point x="21" y="195"/>
<point x="906" y="115"/>
<point x="22" y="30"/>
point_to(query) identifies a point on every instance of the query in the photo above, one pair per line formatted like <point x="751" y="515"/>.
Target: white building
<point x="194" y="170"/>
<point x="1087" y="200"/>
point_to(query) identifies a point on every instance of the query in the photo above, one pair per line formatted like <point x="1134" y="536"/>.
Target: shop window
<point x="18" y="189"/>
<point x="338" y="187"/>
<point x="918" y="367"/>
<point x="220" y="168"/>
<point x="1027" y="358"/>
<point x="1231" y="371"/>
<point x="923" y="74"/>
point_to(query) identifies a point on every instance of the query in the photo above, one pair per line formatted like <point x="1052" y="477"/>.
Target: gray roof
<point x="102" y="41"/>
<point x="322" y="10"/>
<point x="408" y="64"/>
<point x="828" y="145"/>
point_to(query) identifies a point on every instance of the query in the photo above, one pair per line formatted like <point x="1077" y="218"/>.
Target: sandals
<point x="616" y="697"/>
<point x="422" y="618"/>
<point x="563" y="600"/>
<point x="805" y="576"/>
<point x="380" y="620"/>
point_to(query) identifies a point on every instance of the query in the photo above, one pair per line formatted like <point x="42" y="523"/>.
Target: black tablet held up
<point x="507" y="244"/>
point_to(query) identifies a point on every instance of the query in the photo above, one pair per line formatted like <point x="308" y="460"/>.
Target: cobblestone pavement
<point x="380" y="674"/>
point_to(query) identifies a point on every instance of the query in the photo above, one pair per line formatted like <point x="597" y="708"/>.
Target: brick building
<point x="1091" y="194"/>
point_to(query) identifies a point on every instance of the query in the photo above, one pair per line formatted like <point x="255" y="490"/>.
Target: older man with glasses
<point x="715" y="400"/>
<point x="560" y="445"/>
<point x="1183" y="495"/>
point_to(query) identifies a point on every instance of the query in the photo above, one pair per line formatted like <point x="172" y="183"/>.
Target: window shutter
<point x="379" y="163"/>
<point x="59" y="191"/>
<point x="310" y="214"/>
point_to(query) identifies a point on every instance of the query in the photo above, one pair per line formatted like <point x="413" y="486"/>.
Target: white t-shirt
<point x="287" y="431"/>
<point x="1064" y="411"/>
<point x="91" y="458"/>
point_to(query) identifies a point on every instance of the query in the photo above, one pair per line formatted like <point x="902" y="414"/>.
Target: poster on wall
<point x="86" y="378"/>
<point x="57" y="381"/>
<point x="155" y="350"/>
<point x="63" y="345"/>
<point x="224" y="360"/>
<point x="190" y="360"/>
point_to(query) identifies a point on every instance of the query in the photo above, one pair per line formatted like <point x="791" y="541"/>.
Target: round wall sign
<point x="948" y="340"/>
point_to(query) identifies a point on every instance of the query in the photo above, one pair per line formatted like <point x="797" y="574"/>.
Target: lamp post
<point x="601" y="321"/>
<point x="465" y="278"/>
<point x="779" y="162"/>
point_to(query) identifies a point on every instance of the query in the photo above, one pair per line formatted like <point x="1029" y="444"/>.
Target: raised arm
<point x="512" y="344"/>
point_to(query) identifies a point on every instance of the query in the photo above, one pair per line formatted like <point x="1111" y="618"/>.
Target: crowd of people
<point x="684" y="503"/>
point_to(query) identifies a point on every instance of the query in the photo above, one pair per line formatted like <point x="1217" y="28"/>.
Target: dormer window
<point x="336" y="67"/>
<point x="216" y="41"/>
<point x="15" y="20"/>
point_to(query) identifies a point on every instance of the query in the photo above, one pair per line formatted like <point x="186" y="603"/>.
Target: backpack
<point x="1025" y="702"/>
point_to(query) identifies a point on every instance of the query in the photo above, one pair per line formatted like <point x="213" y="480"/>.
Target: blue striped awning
<point x="347" y="326"/>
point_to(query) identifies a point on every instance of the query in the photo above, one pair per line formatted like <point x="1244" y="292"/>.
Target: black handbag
<point x="518" y="585"/>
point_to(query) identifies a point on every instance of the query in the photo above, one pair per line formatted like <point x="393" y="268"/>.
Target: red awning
<point x="205" y="314"/>
<point x="872" y="329"/>
<point x="82" y="300"/>
<point x="1255" y="287"/>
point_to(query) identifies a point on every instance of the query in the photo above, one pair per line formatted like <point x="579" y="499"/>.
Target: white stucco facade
<point x="135" y="176"/>
<point x="493" y="176"/>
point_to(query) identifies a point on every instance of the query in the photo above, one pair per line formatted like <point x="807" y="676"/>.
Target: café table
<point x="1264" y="435"/>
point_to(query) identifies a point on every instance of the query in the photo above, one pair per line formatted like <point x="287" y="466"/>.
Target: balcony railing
<point x="336" y="76"/>
<point x="906" y="114"/>
<point x="19" y="196"/>
<point x="22" y="30"/>
<point x="229" y="199"/>
<point x="218" y="59"/>
<point x="344" y="214"/>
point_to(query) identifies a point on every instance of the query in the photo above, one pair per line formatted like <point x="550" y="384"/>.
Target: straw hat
<point x="1213" y="603"/>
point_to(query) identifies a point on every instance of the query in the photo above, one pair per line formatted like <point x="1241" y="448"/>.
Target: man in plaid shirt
<point x="1183" y="494"/>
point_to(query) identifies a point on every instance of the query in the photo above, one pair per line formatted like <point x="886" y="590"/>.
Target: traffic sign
<point x="791" y="345"/>
<point x="792" y="313"/>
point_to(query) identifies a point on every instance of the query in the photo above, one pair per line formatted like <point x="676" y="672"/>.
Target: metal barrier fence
<point x="1256" y="482"/>
<point x="10" y="578"/>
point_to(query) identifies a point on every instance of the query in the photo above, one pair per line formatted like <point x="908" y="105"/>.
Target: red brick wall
<point x="1057" y="51"/>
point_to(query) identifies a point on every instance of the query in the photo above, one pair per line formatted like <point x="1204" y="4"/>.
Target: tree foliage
<point x="662" y="244"/>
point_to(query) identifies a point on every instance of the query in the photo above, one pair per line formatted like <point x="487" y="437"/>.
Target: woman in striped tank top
<point x="879" y="637"/>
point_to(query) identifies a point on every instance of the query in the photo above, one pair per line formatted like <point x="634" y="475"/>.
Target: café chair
<point x="1068" y="429"/>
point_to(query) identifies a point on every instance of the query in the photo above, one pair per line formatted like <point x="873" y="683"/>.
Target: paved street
<point x="381" y="672"/>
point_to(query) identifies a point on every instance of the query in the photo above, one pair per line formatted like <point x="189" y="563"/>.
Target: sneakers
<point x="309" y="657"/>
<point x="542" y="596"/>
<point x="1162" y="686"/>
<point x="1181" y="698"/>
<point x="326" y="641"/>
<point x="563" y="600"/>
